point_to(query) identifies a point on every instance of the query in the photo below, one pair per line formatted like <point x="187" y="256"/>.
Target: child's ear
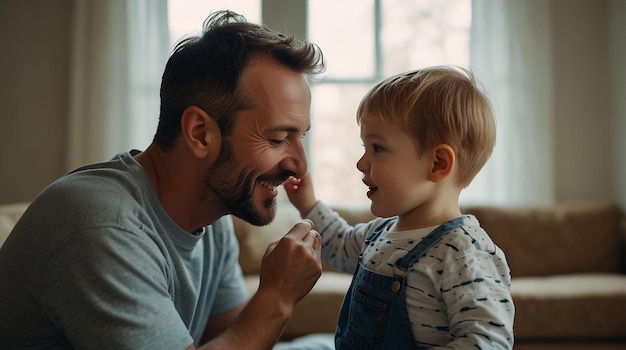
<point x="200" y="133"/>
<point x="443" y="163"/>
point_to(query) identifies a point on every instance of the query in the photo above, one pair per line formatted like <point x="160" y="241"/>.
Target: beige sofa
<point x="568" y="264"/>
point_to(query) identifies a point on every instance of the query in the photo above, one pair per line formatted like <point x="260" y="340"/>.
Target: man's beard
<point x="234" y="186"/>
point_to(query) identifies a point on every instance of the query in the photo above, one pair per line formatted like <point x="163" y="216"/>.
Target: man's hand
<point x="289" y="270"/>
<point x="292" y="265"/>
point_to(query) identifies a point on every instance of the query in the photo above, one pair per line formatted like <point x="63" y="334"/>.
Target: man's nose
<point x="296" y="161"/>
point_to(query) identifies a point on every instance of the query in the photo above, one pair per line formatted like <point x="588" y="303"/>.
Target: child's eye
<point x="375" y="148"/>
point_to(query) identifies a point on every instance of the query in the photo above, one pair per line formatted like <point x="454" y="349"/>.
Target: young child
<point x="425" y="275"/>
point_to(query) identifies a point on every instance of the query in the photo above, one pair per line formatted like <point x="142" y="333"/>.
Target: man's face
<point x="265" y="146"/>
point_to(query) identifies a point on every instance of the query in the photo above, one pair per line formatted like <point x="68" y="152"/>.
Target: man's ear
<point x="443" y="162"/>
<point x="200" y="133"/>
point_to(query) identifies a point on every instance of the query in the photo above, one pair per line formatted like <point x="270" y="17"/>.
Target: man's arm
<point x="289" y="269"/>
<point x="217" y="324"/>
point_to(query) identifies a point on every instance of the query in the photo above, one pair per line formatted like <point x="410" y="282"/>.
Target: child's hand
<point x="300" y="193"/>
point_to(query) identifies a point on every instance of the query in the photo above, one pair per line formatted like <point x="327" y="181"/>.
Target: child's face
<point x="393" y="170"/>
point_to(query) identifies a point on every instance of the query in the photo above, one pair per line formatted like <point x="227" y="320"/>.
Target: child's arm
<point x="301" y="194"/>
<point x="479" y="301"/>
<point x="341" y="242"/>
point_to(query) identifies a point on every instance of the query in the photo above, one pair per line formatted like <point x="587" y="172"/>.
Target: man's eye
<point x="276" y="142"/>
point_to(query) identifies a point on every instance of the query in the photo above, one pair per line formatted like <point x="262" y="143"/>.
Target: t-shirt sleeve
<point x="107" y="288"/>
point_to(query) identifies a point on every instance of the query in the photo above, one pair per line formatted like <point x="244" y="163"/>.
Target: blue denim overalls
<point x="373" y="314"/>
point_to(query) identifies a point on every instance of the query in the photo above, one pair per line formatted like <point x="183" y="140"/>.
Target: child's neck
<point x="427" y="215"/>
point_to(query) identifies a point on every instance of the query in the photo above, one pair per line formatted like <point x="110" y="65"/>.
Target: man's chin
<point x="259" y="216"/>
<point x="260" y="220"/>
<point x="267" y="213"/>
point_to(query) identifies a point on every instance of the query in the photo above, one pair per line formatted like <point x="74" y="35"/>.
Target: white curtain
<point x="119" y="50"/>
<point x="511" y="57"/>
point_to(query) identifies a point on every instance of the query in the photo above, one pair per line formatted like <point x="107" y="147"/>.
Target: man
<point x="139" y="252"/>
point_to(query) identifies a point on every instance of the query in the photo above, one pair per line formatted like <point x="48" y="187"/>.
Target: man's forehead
<point x="264" y="120"/>
<point x="288" y="128"/>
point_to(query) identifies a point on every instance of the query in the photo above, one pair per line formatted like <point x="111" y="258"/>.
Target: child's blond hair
<point x="437" y="105"/>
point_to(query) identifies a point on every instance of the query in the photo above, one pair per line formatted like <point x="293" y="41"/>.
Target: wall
<point x="34" y="66"/>
<point x="581" y="100"/>
<point x="617" y="33"/>
<point x="590" y="117"/>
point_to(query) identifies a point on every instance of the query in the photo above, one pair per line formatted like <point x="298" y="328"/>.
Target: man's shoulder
<point x="86" y="198"/>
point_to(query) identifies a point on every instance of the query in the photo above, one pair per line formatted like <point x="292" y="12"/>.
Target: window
<point x="364" y="42"/>
<point x="185" y="17"/>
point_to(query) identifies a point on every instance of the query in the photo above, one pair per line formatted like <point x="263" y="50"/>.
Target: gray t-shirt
<point x="96" y="263"/>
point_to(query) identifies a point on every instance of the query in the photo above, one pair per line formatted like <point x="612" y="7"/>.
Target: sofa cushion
<point x="560" y="239"/>
<point x="576" y="307"/>
<point x="580" y="306"/>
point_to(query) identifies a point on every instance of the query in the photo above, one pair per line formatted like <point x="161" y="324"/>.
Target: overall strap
<point x="372" y="236"/>
<point x="378" y="230"/>
<point x="427" y="242"/>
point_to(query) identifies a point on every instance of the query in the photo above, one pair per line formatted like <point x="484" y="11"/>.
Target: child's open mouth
<point x="371" y="191"/>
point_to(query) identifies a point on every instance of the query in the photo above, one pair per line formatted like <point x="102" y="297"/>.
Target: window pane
<point x="414" y="34"/>
<point x="185" y="17"/>
<point x="335" y="143"/>
<point x="345" y="32"/>
<point x="422" y="33"/>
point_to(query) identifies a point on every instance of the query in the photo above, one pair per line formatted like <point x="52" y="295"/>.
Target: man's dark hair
<point x="204" y="70"/>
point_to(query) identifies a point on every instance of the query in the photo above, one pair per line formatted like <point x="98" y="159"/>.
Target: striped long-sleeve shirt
<point x="457" y="294"/>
